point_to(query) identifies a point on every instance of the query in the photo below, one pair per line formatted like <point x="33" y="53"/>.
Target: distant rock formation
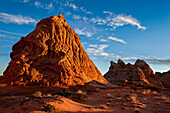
<point x="165" y="78"/>
<point x="140" y="73"/>
<point x="51" y="55"/>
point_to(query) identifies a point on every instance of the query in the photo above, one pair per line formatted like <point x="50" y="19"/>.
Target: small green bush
<point x="48" y="108"/>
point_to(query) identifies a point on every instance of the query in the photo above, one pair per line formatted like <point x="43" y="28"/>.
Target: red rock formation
<point x="140" y="73"/>
<point x="149" y="74"/>
<point x="164" y="78"/>
<point x="119" y="72"/>
<point x="51" y="55"/>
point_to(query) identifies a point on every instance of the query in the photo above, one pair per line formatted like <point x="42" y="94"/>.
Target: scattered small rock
<point x="137" y="110"/>
<point x="123" y="108"/>
<point x="103" y="107"/>
<point x="37" y="94"/>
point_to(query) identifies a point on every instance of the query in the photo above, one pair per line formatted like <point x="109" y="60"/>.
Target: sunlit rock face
<point x="51" y="55"/>
<point x="139" y="73"/>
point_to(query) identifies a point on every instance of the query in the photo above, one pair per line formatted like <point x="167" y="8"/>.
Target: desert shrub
<point x="64" y="93"/>
<point x="79" y="96"/>
<point x="48" y="108"/>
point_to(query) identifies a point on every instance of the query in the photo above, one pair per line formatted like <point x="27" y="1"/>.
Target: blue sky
<point x="109" y="29"/>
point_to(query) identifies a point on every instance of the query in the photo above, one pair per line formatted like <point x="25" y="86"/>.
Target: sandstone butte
<point x="51" y="55"/>
<point x="140" y="74"/>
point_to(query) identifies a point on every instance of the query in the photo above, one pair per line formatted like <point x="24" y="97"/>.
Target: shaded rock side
<point x="51" y="55"/>
<point x="164" y="78"/>
<point x="140" y="74"/>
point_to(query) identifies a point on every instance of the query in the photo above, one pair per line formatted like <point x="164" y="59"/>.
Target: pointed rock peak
<point x="129" y="65"/>
<point x="120" y="62"/>
<point x="140" y="62"/>
<point x="51" y="55"/>
<point x="59" y="19"/>
<point x="112" y="63"/>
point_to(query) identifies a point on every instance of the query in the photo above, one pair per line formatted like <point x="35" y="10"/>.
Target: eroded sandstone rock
<point x="140" y="73"/>
<point x="51" y="55"/>
<point x="164" y="78"/>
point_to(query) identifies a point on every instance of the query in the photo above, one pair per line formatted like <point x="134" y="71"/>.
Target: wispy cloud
<point x="9" y="37"/>
<point x="159" y="61"/>
<point x="76" y="17"/>
<point x="129" y="58"/>
<point x="76" y="8"/>
<point x="108" y="12"/>
<point x="68" y="13"/>
<point x="17" y="19"/>
<point x="83" y="32"/>
<point x="103" y="40"/>
<point x="98" y="50"/>
<point x="11" y="32"/>
<point x="26" y="1"/>
<point x="71" y="5"/>
<point x="85" y="11"/>
<point x="114" y="20"/>
<point x="123" y="19"/>
<point x="117" y="39"/>
<point x="148" y="59"/>
<point x="44" y="6"/>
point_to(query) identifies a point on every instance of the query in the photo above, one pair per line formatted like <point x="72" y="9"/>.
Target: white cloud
<point x="117" y="20"/>
<point x="123" y="19"/>
<point x="68" y="13"/>
<point x="9" y="37"/>
<point x="85" y="11"/>
<point x="11" y="32"/>
<point x="44" y="6"/>
<point x="26" y="0"/>
<point x="71" y="5"/>
<point x="98" y="50"/>
<point x="117" y="39"/>
<point x="103" y="40"/>
<point x="38" y="4"/>
<point x="93" y="45"/>
<point x="99" y="37"/>
<point x="83" y="32"/>
<point x="108" y="12"/>
<point x="76" y="17"/>
<point x="49" y="6"/>
<point x="85" y="18"/>
<point x="129" y="58"/>
<point x="17" y="19"/>
<point x="101" y="47"/>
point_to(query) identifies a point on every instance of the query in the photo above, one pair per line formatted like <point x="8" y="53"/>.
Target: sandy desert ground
<point x="101" y="98"/>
